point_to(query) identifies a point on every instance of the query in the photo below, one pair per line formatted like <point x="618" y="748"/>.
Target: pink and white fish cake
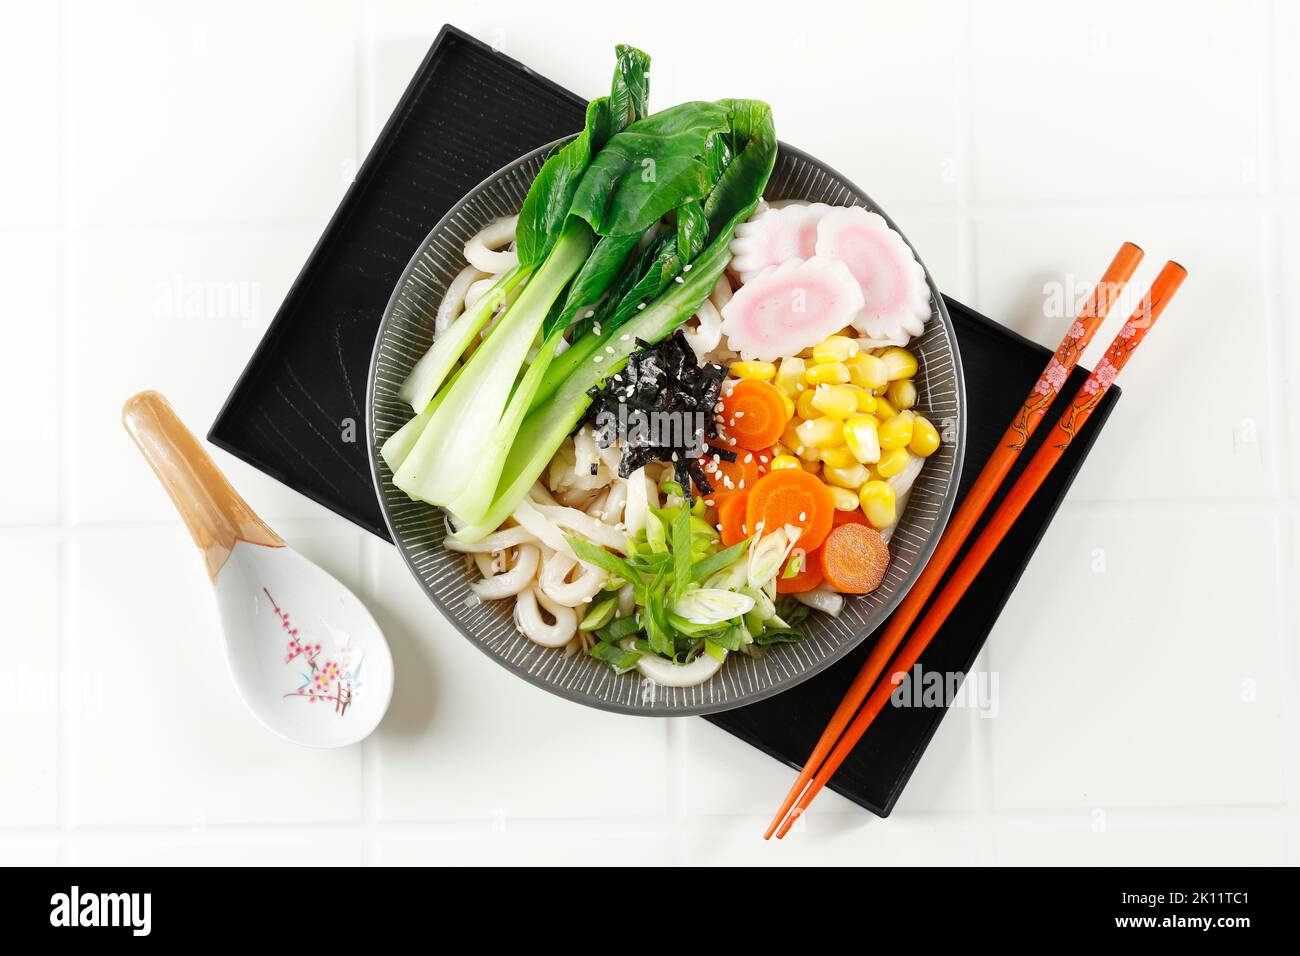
<point x="776" y="236"/>
<point x="790" y="307"/>
<point x="894" y="290"/>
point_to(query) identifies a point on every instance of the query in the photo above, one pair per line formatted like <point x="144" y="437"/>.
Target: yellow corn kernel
<point x="901" y="394"/>
<point x="866" y="401"/>
<point x="837" y="348"/>
<point x="824" y="432"/>
<point x="879" y="503"/>
<point x="884" y="410"/>
<point x="759" y="371"/>
<point x="827" y="373"/>
<point x="843" y="498"/>
<point x="868" y="371"/>
<point x="837" y="401"/>
<point x="900" y="362"/>
<point x="804" y="406"/>
<point x="840" y="457"/>
<point x="854" y="476"/>
<point x="790" y="437"/>
<point x="925" y="438"/>
<point x="861" y="436"/>
<point x="892" y="462"/>
<point x="784" y="461"/>
<point x="896" y="432"/>
<point x="789" y="375"/>
<point x="790" y="408"/>
<point x="812" y="467"/>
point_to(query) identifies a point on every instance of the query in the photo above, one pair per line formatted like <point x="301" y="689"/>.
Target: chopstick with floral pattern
<point x="1027" y="418"/>
<point x="1021" y="493"/>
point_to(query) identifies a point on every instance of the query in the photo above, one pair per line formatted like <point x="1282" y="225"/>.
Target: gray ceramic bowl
<point x="418" y="529"/>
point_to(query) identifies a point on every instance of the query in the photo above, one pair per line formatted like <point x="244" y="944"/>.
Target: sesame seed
<point x="803" y="516"/>
<point x="749" y="457"/>
<point x="742" y="482"/>
<point x="718" y="526"/>
<point x="687" y="267"/>
<point x="624" y="338"/>
<point x="589" y="314"/>
<point x="640" y="306"/>
<point x="731" y="441"/>
<point x="739" y="415"/>
<point x="679" y="280"/>
<point x="598" y="358"/>
<point x="609" y="349"/>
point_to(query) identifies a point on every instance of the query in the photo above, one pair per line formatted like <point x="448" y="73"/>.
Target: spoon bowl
<point x="306" y="656"/>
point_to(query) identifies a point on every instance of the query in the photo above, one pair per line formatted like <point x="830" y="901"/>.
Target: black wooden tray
<point x="297" y="411"/>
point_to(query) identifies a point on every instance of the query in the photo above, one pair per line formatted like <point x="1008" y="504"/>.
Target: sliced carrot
<point x="731" y="515"/>
<point x="854" y="559"/>
<point x="728" y="477"/>
<point x="809" y="576"/>
<point x="754" y="414"/>
<point x="791" y="496"/>
<point x="850" y="517"/>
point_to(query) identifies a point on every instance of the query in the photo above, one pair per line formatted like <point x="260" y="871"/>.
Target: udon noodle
<point x="580" y="492"/>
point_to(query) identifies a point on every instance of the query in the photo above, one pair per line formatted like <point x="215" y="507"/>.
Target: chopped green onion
<point x="716" y="562"/>
<point x="605" y="560"/>
<point x="793" y="566"/>
<point x="599" y="615"/>
<point x="778" y="635"/>
<point x="618" y="629"/>
<point x="681" y="553"/>
<point x="613" y="655"/>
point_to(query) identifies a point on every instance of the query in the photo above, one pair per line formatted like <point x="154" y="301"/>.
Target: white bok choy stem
<point x="434" y="366"/>
<point x="443" y="462"/>
<point x="543" y="430"/>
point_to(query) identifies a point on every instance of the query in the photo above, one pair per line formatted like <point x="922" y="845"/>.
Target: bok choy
<point x="621" y="237"/>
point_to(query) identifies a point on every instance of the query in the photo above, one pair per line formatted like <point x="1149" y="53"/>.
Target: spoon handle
<point x="209" y="505"/>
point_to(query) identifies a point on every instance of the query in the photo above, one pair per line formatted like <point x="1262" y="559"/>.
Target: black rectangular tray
<point x="1000" y="367"/>
<point x="297" y="411"/>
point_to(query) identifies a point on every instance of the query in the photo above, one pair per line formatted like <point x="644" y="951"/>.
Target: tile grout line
<point x="1274" y="327"/>
<point x="371" y="748"/>
<point x="1276" y="337"/>
<point x="676" y="744"/>
<point x="1133" y="815"/>
<point x="65" y="613"/>
<point x="981" y="743"/>
<point x="1265" y="506"/>
<point x="1284" y="543"/>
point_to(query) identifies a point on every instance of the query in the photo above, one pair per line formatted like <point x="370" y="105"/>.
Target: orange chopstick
<point x="1027" y="418"/>
<point x="1021" y="493"/>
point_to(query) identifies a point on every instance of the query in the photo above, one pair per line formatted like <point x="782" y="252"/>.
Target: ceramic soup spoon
<point x="306" y="655"/>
